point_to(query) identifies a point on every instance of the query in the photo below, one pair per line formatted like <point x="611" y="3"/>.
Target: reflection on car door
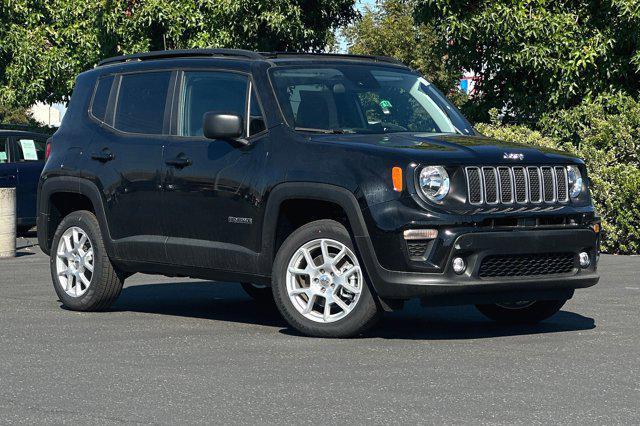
<point x="208" y="209"/>
<point x="126" y="158"/>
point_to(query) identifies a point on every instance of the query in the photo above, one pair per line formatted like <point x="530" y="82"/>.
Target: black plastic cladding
<point x="171" y="220"/>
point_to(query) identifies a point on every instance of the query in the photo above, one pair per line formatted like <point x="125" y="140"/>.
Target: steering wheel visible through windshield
<point x="363" y="99"/>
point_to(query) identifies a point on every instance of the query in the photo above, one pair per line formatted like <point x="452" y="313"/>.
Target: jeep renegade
<point x="335" y="186"/>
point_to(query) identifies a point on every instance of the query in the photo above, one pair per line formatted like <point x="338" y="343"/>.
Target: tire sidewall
<point x="87" y="222"/>
<point x="363" y="315"/>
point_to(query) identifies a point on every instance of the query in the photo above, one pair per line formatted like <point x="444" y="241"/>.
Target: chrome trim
<point x="511" y="180"/>
<point x="553" y="185"/>
<point x="537" y="170"/>
<point x="527" y="172"/>
<point x="481" y="185"/>
<point x="483" y="189"/>
<point x="566" y="183"/>
<point x="526" y="184"/>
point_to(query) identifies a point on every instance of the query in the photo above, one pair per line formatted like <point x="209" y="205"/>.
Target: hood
<point x="450" y="148"/>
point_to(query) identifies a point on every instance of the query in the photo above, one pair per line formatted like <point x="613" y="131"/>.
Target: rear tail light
<point x="47" y="151"/>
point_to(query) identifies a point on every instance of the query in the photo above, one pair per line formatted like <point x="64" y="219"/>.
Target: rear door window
<point x="141" y="102"/>
<point x="205" y="91"/>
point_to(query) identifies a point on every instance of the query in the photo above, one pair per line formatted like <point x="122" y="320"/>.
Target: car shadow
<point x="227" y="302"/>
<point x="204" y="300"/>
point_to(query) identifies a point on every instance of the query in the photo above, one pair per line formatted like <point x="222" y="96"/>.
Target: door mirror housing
<point x="222" y="125"/>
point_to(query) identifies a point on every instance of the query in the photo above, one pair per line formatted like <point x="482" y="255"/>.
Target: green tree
<point x="44" y="44"/>
<point x="389" y="30"/>
<point x="533" y="56"/>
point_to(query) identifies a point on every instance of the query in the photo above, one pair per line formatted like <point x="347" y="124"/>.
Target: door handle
<point x="102" y="156"/>
<point x="179" y="162"/>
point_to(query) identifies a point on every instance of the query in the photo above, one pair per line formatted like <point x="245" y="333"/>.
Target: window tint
<point x="256" y="120"/>
<point x="4" y="155"/>
<point x="101" y="97"/>
<point x="362" y="99"/>
<point x="141" y="102"/>
<point x="210" y="91"/>
<point x="30" y="150"/>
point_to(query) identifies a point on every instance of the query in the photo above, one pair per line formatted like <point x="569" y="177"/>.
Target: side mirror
<point x="222" y="125"/>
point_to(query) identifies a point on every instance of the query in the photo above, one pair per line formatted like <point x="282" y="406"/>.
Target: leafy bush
<point x="605" y="132"/>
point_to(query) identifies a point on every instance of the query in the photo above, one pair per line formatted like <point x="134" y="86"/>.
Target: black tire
<point x="106" y="282"/>
<point x="23" y="230"/>
<point x="363" y="316"/>
<point x="529" y="314"/>
<point x="261" y="294"/>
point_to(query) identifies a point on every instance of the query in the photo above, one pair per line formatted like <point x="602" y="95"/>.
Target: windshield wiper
<point x="325" y="131"/>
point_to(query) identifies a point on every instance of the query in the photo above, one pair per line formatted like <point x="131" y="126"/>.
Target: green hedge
<point x="605" y="132"/>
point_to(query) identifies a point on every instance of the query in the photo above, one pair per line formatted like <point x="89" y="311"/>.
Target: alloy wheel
<point x="324" y="280"/>
<point x="74" y="261"/>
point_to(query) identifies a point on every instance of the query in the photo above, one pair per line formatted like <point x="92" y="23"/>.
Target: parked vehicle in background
<point x="339" y="185"/>
<point x="22" y="157"/>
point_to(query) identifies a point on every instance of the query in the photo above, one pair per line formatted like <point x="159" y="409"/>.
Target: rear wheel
<point x="521" y="312"/>
<point x="318" y="283"/>
<point x="258" y="292"/>
<point x="83" y="276"/>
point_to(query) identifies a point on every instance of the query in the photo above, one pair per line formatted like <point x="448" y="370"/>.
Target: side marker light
<point x="396" y="177"/>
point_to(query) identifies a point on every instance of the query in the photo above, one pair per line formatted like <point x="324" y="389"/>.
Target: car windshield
<point x="363" y="99"/>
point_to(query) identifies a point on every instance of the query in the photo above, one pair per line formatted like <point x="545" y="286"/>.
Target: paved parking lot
<point x="187" y="351"/>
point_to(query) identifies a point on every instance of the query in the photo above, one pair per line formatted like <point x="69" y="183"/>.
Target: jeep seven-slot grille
<point x="526" y="265"/>
<point x="517" y="184"/>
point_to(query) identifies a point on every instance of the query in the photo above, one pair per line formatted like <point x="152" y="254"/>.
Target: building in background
<point x="48" y="115"/>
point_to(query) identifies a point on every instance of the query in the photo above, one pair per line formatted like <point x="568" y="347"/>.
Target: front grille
<point x="519" y="185"/>
<point x="523" y="265"/>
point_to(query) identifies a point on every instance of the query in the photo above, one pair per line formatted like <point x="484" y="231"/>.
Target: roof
<point x="241" y="54"/>
<point x="11" y="132"/>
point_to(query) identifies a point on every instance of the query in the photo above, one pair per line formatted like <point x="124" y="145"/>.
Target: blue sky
<point x="360" y="5"/>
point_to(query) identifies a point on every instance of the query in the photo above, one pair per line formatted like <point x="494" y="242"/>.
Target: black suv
<point x="339" y="186"/>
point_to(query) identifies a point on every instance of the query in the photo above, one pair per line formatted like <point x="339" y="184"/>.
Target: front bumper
<point x="446" y="287"/>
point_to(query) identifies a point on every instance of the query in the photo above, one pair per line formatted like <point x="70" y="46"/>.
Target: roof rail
<point x="238" y="53"/>
<point x="334" y="55"/>
<point x="182" y="53"/>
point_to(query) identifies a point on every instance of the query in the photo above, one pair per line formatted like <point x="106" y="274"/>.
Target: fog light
<point x="584" y="260"/>
<point x="458" y="265"/>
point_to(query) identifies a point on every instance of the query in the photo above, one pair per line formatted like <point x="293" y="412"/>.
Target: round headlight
<point x="575" y="181"/>
<point x="434" y="182"/>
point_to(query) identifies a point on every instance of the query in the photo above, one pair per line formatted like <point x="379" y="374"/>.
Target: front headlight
<point x="575" y="181"/>
<point x="434" y="182"/>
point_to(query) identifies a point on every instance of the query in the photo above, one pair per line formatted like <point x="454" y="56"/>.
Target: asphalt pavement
<point x="187" y="351"/>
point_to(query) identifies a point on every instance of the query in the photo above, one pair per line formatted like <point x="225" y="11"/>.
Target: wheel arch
<point x="284" y="193"/>
<point x="72" y="194"/>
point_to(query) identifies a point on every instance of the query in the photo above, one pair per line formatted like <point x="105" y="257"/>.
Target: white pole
<point x="7" y="222"/>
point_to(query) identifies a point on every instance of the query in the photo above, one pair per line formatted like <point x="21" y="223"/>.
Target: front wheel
<point x="318" y="284"/>
<point x="521" y="312"/>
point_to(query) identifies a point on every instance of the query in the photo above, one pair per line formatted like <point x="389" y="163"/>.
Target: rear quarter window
<point x="101" y="97"/>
